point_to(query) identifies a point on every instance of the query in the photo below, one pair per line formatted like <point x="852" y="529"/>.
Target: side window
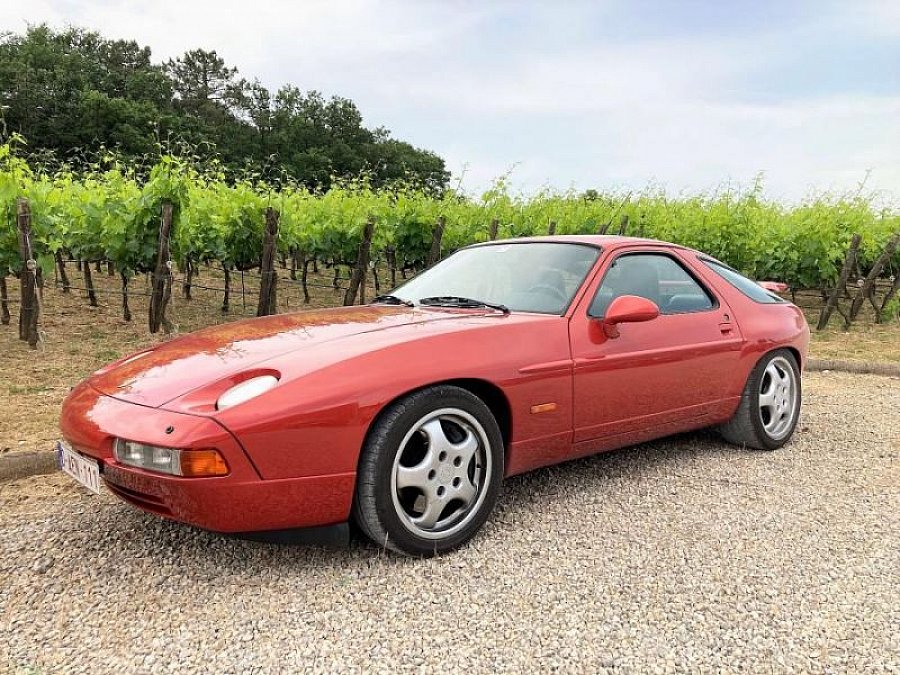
<point x="749" y="288"/>
<point x="654" y="276"/>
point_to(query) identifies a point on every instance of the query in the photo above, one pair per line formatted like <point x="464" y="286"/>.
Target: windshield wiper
<point x="458" y="301"/>
<point x="391" y="300"/>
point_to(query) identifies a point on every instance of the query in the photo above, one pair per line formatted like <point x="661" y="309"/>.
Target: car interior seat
<point x="687" y="302"/>
<point x="641" y="278"/>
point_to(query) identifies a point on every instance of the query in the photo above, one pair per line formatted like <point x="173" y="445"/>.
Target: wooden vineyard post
<point x="268" y="280"/>
<point x="89" y="283"/>
<point x="188" y="278"/>
<point x="623" y="225"/>
<point x="375" y="280"/>
<point x="832" y="301"/>
<point x="363" y="263"/>
<point x="226" y="301"/>
<point x="167" y="297"/>
<point x="551" y="230"/>
<point x="304" y="277"/>
<point x="126" y="310"/>
<point x="495" y="229"/>
<point x="436" y="237"/>
<point x="29" y="309"/>
<point x="4" y="301"/>
<point x="161" y="273"/>
<point x="61" y="270"/>
<point x="869" y="284"/>
<point x="358" y="278"/>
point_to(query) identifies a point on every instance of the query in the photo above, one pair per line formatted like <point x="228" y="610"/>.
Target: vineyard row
<point x="179" y="218"/>
<point x="162" y="279"/>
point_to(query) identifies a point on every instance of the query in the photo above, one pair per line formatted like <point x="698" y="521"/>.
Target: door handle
<point x="727" y="328"/>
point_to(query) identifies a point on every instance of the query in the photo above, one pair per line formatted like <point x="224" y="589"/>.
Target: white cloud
<point x="878" y="16"/>
<point x="316" y="32"/>
<point x="829" y="146"/>
<point x="458" y="78"/>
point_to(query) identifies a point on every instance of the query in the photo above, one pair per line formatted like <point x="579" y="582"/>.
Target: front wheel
<point x="430" y="472"/>
<point x="770" y="404"/>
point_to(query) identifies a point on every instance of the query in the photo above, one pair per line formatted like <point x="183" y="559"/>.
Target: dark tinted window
<point x="656" y="277"/>
<point x="746" y="286"/>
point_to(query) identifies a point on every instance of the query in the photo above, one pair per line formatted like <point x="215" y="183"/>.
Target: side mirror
<point x="627" y="309"/>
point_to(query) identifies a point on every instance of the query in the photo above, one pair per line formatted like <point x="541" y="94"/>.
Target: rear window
<point x="746" y="286"/>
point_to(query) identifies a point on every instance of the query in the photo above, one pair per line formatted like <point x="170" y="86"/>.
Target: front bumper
<point x="239" y="502"/>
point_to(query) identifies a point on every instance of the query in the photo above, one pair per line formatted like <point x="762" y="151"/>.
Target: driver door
<point x="656" y="377"/>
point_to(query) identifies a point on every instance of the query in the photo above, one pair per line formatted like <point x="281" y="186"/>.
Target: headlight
<point x="246" y="390"/>
<point x="188" y="463"/>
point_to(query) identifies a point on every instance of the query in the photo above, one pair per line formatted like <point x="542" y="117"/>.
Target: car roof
<point x="606" y="241"/>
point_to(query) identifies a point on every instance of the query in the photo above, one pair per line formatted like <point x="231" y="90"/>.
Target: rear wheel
<point x="770" y="404"/>
<point x="430" y="472"/>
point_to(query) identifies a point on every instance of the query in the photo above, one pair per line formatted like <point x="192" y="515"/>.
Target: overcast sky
<point x="605" y="94"/>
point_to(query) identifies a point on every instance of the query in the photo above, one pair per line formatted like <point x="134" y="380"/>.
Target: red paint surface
<point x="293" y="451"/>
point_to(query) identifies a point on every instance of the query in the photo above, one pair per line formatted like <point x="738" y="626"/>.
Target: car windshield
<point x="527" y="277"/>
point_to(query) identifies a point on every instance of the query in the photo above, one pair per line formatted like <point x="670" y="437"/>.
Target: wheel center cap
<point x="445" y="473"/>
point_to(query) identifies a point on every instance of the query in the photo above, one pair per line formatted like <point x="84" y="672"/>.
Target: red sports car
<point x="405" y="415"/>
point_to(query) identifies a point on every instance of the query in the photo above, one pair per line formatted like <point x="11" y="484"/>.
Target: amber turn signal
<point x="198" y="463"/>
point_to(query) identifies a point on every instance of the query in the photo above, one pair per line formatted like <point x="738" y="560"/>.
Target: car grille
<point x="140" y="499"/>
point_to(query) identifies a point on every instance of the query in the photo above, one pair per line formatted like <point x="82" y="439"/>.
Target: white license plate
<point x="85" y="471"/>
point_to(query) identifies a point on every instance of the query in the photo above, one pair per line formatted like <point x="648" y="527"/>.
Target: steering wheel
<point x="549" y="290"/>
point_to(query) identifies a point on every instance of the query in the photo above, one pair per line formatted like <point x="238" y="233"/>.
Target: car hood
<point x="155" y="376"/>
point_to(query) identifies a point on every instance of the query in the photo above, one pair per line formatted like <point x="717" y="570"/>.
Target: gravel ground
<point x="679" y="556"/>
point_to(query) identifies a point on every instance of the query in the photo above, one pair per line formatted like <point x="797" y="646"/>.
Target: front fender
<point x="316" y="423"/>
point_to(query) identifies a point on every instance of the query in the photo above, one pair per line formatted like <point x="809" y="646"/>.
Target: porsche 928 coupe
<point x="405" y="415"/>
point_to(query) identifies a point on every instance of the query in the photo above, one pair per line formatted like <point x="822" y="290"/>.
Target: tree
<point x="256" y="104"/>
<point x="73" y="92"/>
<point x="393" y="160"/>
<point x="203" y="82"/>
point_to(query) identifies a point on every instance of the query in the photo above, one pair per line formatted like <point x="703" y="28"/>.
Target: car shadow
<point x="650" y="459"/>
<point x="160" y="539"/>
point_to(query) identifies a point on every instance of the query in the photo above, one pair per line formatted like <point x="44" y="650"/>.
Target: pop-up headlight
<point x="246" y="390"/>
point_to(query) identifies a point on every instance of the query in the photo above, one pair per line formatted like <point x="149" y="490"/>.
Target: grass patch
<point x="108" y="355"/>
<point x="16" y="390"/>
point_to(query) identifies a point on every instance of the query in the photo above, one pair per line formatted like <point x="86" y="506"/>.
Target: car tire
<point x="770" y="404"/>
<point x="430" y="472"/>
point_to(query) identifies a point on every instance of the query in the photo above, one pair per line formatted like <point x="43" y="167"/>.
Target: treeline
<point x="73" y="93"/>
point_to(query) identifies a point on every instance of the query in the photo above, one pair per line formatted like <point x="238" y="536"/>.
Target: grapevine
<point x="109" y="213"/>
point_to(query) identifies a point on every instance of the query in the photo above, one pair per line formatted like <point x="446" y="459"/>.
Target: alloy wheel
<point x="440" y="473"/>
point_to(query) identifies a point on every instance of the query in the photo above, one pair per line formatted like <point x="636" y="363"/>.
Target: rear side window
<point x="746" y="286"/>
